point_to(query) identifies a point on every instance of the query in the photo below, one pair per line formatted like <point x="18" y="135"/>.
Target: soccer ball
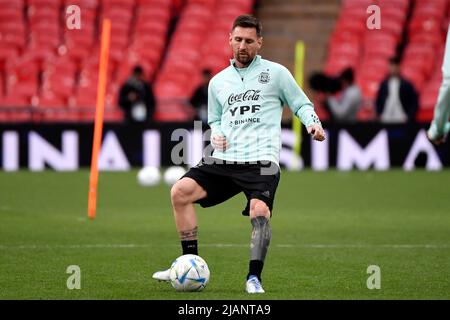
<point x="149" y="176"/>
<point x="173" y="174"/>
<point x="189" y="273"/>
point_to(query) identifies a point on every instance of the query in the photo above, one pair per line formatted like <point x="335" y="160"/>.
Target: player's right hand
<point x="316" y="132"/>
<point x="219" y="142"/>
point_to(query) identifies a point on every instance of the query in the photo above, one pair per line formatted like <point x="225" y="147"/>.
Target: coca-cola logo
<point x="249" y="95"/>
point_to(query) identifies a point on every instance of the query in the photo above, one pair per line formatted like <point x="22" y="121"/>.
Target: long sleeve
<point x="296" y="99"/>
<point x="214" y="112"/>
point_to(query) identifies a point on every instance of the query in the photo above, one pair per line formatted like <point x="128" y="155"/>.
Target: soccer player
<point x="245" y="102"/>
<point x="440" y="126"/>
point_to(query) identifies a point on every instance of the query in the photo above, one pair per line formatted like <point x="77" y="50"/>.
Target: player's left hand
<point x="316" y="132"/>
<point x="437" y="141"/>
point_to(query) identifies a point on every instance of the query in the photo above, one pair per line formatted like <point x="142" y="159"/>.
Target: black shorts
<point x="223" y="180"/>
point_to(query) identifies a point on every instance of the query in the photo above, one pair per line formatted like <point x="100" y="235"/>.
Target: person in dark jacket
<point x="397" y="100"/>
<point x="136" y="98"/>
<point x="199" y="99"/>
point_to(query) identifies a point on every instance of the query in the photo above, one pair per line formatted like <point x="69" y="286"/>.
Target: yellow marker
<point x="299" y="71"/>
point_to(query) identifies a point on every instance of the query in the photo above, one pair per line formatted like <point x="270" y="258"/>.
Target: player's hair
<point x="138" y="70"/>
<point x="347" y="75"/>
<point x="394" y="60"/>
<point x="248" y="21"/>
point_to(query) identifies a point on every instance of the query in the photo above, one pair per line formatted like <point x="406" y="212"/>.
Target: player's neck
<point x="239" y="65"/>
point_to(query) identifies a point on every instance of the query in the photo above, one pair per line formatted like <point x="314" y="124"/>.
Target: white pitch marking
<point x="224" y="245"/>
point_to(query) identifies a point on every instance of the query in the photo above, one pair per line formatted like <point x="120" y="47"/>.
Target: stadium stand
<point x="181" y="71"/>
<point x="419" y="26"/>
<point x="48" y="72"/>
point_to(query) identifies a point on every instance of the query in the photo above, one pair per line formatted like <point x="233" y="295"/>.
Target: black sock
<point x="189" y="247"/>
<point x="255" y="268"/>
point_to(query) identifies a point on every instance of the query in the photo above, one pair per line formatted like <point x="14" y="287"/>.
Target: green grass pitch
<point x="328" y="227"/>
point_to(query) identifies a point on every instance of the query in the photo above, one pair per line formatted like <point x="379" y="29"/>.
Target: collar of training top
<point x="256" y="60"/>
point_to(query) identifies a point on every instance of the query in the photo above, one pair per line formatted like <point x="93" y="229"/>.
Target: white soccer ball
<point x="189" y="273"/>
<point x="149" y="176"/>
<point x="173" y="174"/>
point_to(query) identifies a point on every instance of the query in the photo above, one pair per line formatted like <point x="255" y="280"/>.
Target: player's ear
<point x="259" y="41"/>
<point x="230" y="39"/>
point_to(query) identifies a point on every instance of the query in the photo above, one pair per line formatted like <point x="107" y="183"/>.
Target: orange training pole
<point x="98" y="127"/>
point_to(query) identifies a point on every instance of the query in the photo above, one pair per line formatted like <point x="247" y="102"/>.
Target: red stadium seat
<point x="426" y="38"/>
<point x="159" y="14"/>
<point x="345" y="48"/>
<point x="353" y="13"/>
<point x="393" y="13"/>
<point x="426" y="25"/>
<point x="8" y="4"/>
<point x="366" y="112"/>
<point x="117" y="15"/>
<point x="393" y="27"/>
<point x="156" y="3"/>
<point x="148" y="42"/>
<point x="15" y="101"/>
<point x="240" y="4"/>
<point x="6" y="53"/>
<point x="152" y="27"/>
<point x="45" y="3"/>
<point x="393" y="4"/>
<point x="357" y="27"/>
<point x="356" y="3"/>
<point x="22" y="77"/>
<point x="50" y="100"/>
<point x="11" y="14"/>
<point x="120" y="4"/>
<point x="37" y="14"/>
<point x="369" y="87"/>
<point x="62" y="85"/>
<point x="2" y="85"/>
<point x="78" y="43"/>
<point x="417" y="77"/>
<point x="428" y="98"/>
<point x="214" y="63"/>
<point x="12" y="40"/>
<point x="12" y="28"/>
<point x="84" y="5"/>
<point x="172" y="111"/>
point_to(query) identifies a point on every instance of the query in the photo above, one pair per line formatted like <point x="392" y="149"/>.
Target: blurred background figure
<point x="340" y="96"/>
<point x="136" y="98"/>
<point x="397" y="100"/>
<point x="344" y="107"/>
<point x="199" y="99"/>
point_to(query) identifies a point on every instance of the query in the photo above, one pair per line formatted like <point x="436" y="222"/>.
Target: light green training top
<point x="245" y="106"/>
<point x="440" y="126"/>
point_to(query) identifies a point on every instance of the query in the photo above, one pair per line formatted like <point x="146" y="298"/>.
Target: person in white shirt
<point x="397" y="99"/>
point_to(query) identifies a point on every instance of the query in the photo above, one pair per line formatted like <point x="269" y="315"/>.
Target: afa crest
<point x="264" y="77"/>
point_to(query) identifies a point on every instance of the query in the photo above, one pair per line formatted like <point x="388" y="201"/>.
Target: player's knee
<point x="259" y="208"/>
<point x="180" y="194"/>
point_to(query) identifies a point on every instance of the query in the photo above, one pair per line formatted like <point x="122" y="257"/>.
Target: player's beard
<point x="244" y="58"/>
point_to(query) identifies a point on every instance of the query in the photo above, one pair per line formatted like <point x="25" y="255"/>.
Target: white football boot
<point x="253" y="285"/>
<point x="162" y="275"/>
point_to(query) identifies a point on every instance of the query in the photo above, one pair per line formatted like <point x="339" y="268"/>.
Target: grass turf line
<point x="328" y="227"/>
